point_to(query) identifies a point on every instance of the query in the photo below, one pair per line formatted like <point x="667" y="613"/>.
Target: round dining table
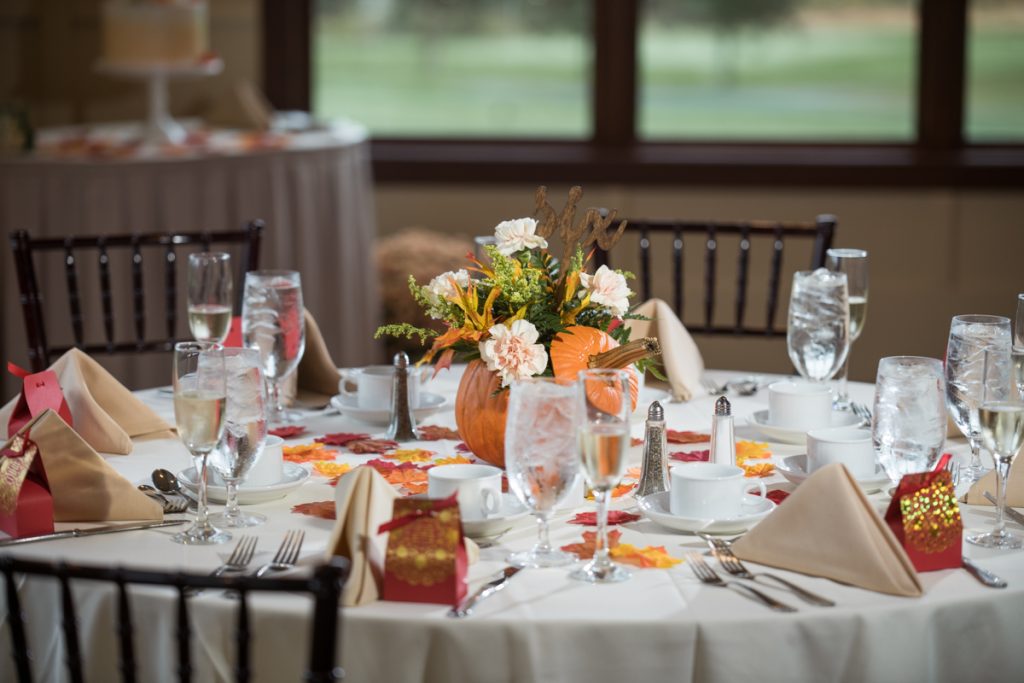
<point x="661" y="625"/>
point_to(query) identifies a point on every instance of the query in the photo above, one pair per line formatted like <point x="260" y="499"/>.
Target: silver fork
<point x="287" y="554"/>
<point x="707" y="575"/>
<point x="238" y="561"/>
<point x="730" y="563"/>
<point x="861" y="411"/>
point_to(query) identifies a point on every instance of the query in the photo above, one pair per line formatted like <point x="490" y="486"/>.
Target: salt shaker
<point x="654" y="468"/>
<point x="723" y="436"/>
<point x="402" y="426"/>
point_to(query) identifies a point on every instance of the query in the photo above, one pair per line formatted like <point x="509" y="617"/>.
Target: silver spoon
<point x="168" y="483"/>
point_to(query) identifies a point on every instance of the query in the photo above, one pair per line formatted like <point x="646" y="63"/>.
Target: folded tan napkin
<point x="1014" y="487"/>
<point x="828" y="528"/>
<point x="679" y="353"/>
<point x="318" y="376"/>
<point x="106" y="414"/>
<point x="84" y="487"/>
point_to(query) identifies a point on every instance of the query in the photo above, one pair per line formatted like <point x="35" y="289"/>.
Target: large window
<point x="924" y="92"/>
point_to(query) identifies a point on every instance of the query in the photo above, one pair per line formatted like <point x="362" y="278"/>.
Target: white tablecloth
<point x="661" y="625"/>
<point x="315" y="194"/>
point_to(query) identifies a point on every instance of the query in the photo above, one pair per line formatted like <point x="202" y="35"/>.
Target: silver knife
<point x="1010" y="512"/>
<point x="485" y="591"/>
<point x="984" y="575"/>
<point x="110" y="529"/>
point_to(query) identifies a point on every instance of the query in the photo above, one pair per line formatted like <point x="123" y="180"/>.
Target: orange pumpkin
<point x="480" y="410"/>
<point x="575" y="349"/>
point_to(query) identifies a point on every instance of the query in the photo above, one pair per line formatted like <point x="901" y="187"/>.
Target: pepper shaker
<point x="654" y="468"/>
<point x="402" y="426"/>
<point x="723" y="436"/>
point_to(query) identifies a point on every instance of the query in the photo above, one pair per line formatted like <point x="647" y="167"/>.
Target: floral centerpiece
<point x="521" y="312"/>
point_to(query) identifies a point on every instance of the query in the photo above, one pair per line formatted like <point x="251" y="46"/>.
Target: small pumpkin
<point x="480" y="410"/>
<point x="581" y="348"/>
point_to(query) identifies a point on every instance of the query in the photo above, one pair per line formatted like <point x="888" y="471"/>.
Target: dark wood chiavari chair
<point x="820" y="232"/>
<point x="324" y="584"/>
<point x="41" y="353"/>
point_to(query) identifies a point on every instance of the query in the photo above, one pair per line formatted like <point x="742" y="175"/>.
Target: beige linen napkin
<point x="318" y="376"/>
<point x="1014" y="487"/>
<point x="679" y="353"/>
<point x="105" y="413"/>
<point x="828" y="528"/>
<point x="84" y="487"/>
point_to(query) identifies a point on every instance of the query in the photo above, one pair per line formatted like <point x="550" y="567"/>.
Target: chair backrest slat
<point x="69" y="624"/>
<point x="819" y="233"/>
<point x="325" y="585"/>
<point x="108" y="248"/>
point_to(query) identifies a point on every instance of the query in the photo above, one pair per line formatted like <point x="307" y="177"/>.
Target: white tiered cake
<point x="155" y="32"/>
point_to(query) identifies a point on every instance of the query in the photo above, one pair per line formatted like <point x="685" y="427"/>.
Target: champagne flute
<point x="977" y="370"/>
<point x="853" y="262"/>
<point x="1002" y="432"/>
<point x="273" y="322"/>
<point x="209" y="295"/>
<point x="603" y="435"/>
<point x="245" y="432"/>
<point x="818" y="331"/>
<point x="540" y="458"/>
<point x="1018" y="346"/>
<point x="199" y="397"/>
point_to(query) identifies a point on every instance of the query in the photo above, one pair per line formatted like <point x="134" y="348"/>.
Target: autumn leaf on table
<point x="461" y="447"/>
<point x="331" y="469"/>
<point x="775" y="495"/>
<point x="371" y="445"/>
<point x="614" y="517"/>
<point x="636" y="441"/>
<point x="436" y="433"/>
<point x="288" y="431"/>
<point x="411" y="455"/>
<point x="691" y="456"/>
<point x="306" y="452"/>
<point x="751" y="450"/>
<point x="585" y="549"/>
<point x="632" y="473"/>
<point x="384" y="467"/>
<point x="454" y="460"/>
<point x="619" y="491"/>
<point x="650" y="557"/>
<point x="401" y="476"/>
<point x="764" y="469"/>
<point x="415" y="489"/>
<point x="341" y="438"/>
<point x="681" y="437"/>
<point x="323" y="509"/>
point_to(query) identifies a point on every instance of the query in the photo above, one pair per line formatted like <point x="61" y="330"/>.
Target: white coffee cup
<point x="704" y="490"/>
<point x="850" y="446"/>
<point x="374" y="383"/>
<point x="799" y="405"/>
<point x="269" y="467"/>
<point x="478" y="488"/>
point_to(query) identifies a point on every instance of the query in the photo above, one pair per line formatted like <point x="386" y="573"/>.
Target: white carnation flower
<point x="518" y="234"/>
<point x="442" y="287"/>
<point x="513" y="352"/>
<point x="607" y="288"/>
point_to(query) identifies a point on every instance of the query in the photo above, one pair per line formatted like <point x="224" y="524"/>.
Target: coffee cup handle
<point x="760" y="485"/>
<point x="490" y="502"/>
<point x="348" y="377"/>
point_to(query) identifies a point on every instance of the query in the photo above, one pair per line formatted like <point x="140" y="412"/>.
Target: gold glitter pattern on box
<point x="931" y="516"/>
<point x="422" y="552"/>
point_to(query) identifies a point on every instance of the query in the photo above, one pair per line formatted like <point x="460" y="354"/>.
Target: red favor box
<point x="426" y="558"/>
<point x="40" y="391"/>
<point x="925" y="517"/>
<point x="26" y="505"/>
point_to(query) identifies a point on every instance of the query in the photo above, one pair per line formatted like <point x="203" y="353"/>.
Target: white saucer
<point x="840" y="418"/>
<point x="656" y="508"/>
<point x="511" y="512"/>
<point x="429" y="404"/>
<point x="794" y="468"/>
<point x="294" y="476"/>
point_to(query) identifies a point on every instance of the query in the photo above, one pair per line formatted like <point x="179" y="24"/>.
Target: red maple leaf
<point x="288" y="431"/>
<point x="635" y="441"/>
<point x="461" y="447"/>
<point x="691" y="456"/>
<point x="371" y="445"/>
<point x="614" y="517"/>
<point x="323" y="509"/>
<point x="674" y="436"/>
<point x="436" y="433"/>
<point x="340" y="438"/>
<point x="775" y="495"/>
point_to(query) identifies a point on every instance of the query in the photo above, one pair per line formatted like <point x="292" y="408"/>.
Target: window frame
<point x="938" y="156"/>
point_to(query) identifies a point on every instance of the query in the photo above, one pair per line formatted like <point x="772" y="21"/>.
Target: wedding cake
<point x="155" y="32"/>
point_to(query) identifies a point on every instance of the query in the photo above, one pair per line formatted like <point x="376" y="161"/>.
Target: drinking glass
<point x="818" y="334"/>
<point x="602" y="438"/>
<point x="199" y="395"/>
<point x="540" y="458"/>
<point x="909" y="426"/>
<point x="1018" y="347"/>
<point x="209" y="295"/>
<point x="1002" y="432"/>
<point x="853" y="262"/>
<point x="245" y="432"/>
<point x="977" y="370"/>
<point x="273" y="323"/>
